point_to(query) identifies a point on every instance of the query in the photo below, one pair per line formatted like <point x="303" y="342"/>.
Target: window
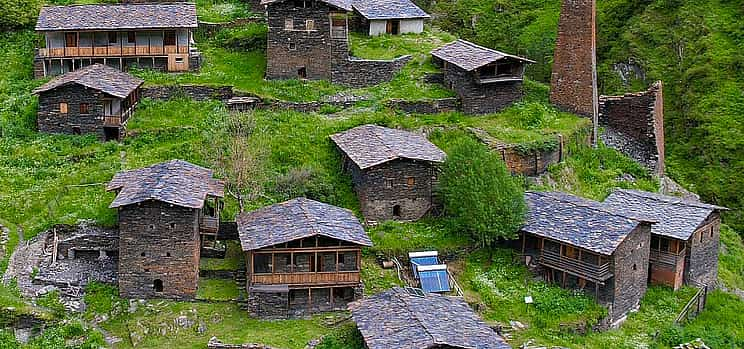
<point x="292" y="46"/>
<point x="338" y="26"/>
<point x="701" y="236"/>
<point x="147" y="270"/>
<point x="179" y="59"/>
<point x="711" y="231"/>
<point x="288" y="23"/>
<point x="302" y="73"/>
<point x="388" y="183"/>
<point x="167" y="254"/>
<point x="396" y="211"/>
<point x="262" y="263"/>
<point x="142" y="254"/>
<point x="326" y="262"/>
<point x="570" y="252"/>
<point x="84" y="108"/>
<point x="169" y="38"/>
<point x="304" y="263"/>
<point x="347" y="261"/>
<point x="76" y="130"/>
<point x="488" y="71"/>
<point x="411" y="181"/>
<point x="131" y="38"/>
<point x="282" y="263"/>
<point x="635" y="267"/>
<point x="112" y="37"/>
<point x="63" y="108"/>
<point x="309" y="24"/>
<point x="158" y="285"/>
<point x="71" y="40"/>
<point x="172" y="225"/>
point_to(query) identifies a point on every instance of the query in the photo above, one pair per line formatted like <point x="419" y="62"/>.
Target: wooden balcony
<point x="111" y="51"/>
<point x="210" y="224"/>
<point x="329" y="278"/>
<point x="668" y="258"/>
<point x="580" y="268"/>
<point x="117" y="120"/>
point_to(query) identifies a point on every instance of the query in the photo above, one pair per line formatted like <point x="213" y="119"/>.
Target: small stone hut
<point x="581" y="244"/>
<point x="684" y="242"/>
<point x="410" y="318"/>
<point x="486" y="80"/>
<point x="302" y="257"/>
<point x="394" y="171"/>
<point x="164" y="211"/>
<point x="96" y="99"/>
<point x="377" y="17"/>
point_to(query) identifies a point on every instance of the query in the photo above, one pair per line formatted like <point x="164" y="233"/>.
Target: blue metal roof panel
<point x="434" y="281"/>
<point x="425" y="260"/>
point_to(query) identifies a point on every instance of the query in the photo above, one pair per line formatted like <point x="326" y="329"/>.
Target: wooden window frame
<point x="411" y="181"/>
<point x="84" y="108"/>
<point x="309" y="24"/>
<point x="63" y="108"/>
<point x="170" y="38"/>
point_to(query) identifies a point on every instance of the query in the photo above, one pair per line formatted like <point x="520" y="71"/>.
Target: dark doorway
<point x="110" y="134"/>
<point x="169" y="38"/>
<point x="76" y="130"/>
<point x="158" y="285"/>
<point x="396" y="211"/>
<point x="393" y="27"/>
<point x="71" y="40"/>
<point x="302" y="73"/>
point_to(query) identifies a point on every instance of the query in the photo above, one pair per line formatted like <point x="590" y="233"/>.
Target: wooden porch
<point x="112" y="51"/>
<point x="598" y="272"/>
<point x="118" y="120"/>
<point x="320" y="278"/>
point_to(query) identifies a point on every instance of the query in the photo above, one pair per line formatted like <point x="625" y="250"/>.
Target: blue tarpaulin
<point x="433" y="281"/>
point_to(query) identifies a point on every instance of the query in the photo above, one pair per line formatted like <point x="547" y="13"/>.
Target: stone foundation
<point x="357" y="73"/>
<point x="278" y="302"/>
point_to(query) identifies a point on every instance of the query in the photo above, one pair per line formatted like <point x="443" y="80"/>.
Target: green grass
<point x="217" y="289"/>
<point x="731" y="259"/>
<point x="397" y="239"/>
<point x="221" y="10"/>
<point x="233" y="259"/>
<point x="102" y="299"/>
<point x="393" y="46"/>
<point x="376" y="279"/>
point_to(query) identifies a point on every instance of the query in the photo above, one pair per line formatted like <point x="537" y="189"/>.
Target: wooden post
<point x="524" y="241"/>
<point x="330" y="290"/>
<point x="309" y="299"/>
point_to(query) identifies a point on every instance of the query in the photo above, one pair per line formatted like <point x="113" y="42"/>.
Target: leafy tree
<point x="18" y="13"/>
<point x="480" y="195"/>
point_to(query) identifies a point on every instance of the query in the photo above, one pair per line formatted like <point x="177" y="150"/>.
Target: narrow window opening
<point x="288" y="24"/>
<point x="388" y="183"/>
<point x="170" y="38"/>
<point x="701" y="236"/>
<point x="173" y="225"/>
<point x="84" y="108"/>
<point x="411" y="181"/>
<point x="292" y="46"/>
<point x="142" y="254"/>
<point x="635" y="267"/>
<point x="131" y="38"/>
<point x="167" y="254"/>
<point x="179" y="59"/>
<point x="147" y="270"/>
<point x="309" y="24"/>
<point x="112" y="37"/>
<point x="302" y="73"/>
<point x="158" y="285"/>
<point x="396" y="210"/>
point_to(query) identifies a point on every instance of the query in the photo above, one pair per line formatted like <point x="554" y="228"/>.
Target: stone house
<point x="308" y="39"/>
<point x="581" y="244"/>
<point x="394" y="172"/>
<point x="409" y="318"/>
<point x="377" y="17"/>
<point x="684" y="242"/>
<point x="485" y="80"/>
<point x="95" y="99"/>
<point x="302" y="257"/>
<point x="155" y="36"/>
<point x="164" y="212"/>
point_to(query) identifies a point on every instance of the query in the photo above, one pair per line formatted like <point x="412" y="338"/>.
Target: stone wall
<point x="429" y="106"/>
<point x="158" y="241"/>
<point x="357" y="73"/>
<point x="195" y="92"/>
<point x="630" y="261"/>
<point x="384" y="187"/>
<point x="478" y="98"/>
<point x="702" y="255"/>
<point x="50" y="120"/>
<point x="215" y="343"/>
<point x="574" y="80"/>
<point x="100" y="242"/>
<point x="634" y="125"/>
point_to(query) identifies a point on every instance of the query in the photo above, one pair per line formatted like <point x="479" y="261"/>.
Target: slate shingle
<point x="111" y="17"/>
<point x="388" y="9"/>
<point x="579" y="222"/>
<point x="98" y="77"/>
<point x="176" y="182"/>
<point x="296" y="219"/>
<point x="677" y="218"/>
<point x="470" y="56"/>
<point x="342" y="4"/>
<point x="371" y="145"/>
<point x="398" y="319"/>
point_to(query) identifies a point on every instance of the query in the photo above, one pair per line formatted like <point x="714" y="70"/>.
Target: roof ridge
<point x="402" y="291"/>
<point x="673" y="200"/>
<point x="377" y="135"/>
<point x="595" y="208"/>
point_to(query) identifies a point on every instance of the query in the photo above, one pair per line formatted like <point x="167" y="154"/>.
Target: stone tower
<point x="573" y="84"/>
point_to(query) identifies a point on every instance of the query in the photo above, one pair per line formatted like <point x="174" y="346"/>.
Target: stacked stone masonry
<point x="634" y="125"/>
<point x="477" y="98"/>
<point x="702" y="256"/>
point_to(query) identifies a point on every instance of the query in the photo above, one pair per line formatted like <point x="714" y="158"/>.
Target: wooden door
<point x="71" y="40"/>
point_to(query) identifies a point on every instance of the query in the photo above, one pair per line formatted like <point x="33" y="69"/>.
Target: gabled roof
<point x="470" y="56"/>
<point x="297" y="219"/>
<point x="399" y="319"/>
<point x="371" y="145"/>
<point x="98" y="77"/>
<point x="578" y="222"/>
<point x="342" y="4"/>
<point x="110" y="17"/>
<point x="678" y="218"/>
<point x="176" y="182"/>
<point x="388" y="9"/>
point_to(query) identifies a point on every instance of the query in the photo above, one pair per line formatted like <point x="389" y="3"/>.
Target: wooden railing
<point x="210" y="224"/>
<point x="668" y="258"/>
<point x="581" y="268"/>
<point x="306" y="278"/>
<point x="694" y="306"/>
<point x="111" y="51"/>
<point x="118" y="120"/>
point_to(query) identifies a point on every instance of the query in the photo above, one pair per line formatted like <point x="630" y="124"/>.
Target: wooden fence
<point x="694" y="306"/>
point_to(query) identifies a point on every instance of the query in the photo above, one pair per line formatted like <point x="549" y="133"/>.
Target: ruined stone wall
<point x="634" y="125"/>
<point x="288" y="51"/>
<point x="50" y="120"/>
<point x="103" y="241"/>
<point x="574" y="79"/>
<point x="630" y="262"/>
<point x="195" y="92"/>
<point x="429" y="106"/>
<point x="702" y="255"/>
<point x="357" y="73"/>
<point x="158" y="241"/>
<point x="480" y="98"/>
<point x="385" y="186"/>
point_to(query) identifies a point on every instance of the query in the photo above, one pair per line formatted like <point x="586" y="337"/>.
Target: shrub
<point x="480" y="195"/>
<point x="18" y="13"/>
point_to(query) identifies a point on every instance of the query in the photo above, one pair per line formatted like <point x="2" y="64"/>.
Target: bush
<point x="251" y="37"/>
<point x="16" y="14"/>
<point x="480" y="195"/>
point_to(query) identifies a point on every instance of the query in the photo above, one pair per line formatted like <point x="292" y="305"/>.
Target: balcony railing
<point x="668" y="258"/>
<point x="117" y="120"/>
<point x="307" y="278"/>
<point x="575" y="266"/>
<point x="111" y="51"/>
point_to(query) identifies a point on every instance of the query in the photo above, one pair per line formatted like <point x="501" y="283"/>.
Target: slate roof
<point x="398" y="319"/>
<point x="388" y="9"/>
<point x="176" y="182"/>
<point x="470" y="56"/>
<point x="109" y="17"/>
<point x="98" y="77"/>
<point x="371" y="145"/>
<point x="579" y="222"/>
<point x="678" y="218"/>
<point x="296" y="219"/>
<point x="342" y="4"/>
